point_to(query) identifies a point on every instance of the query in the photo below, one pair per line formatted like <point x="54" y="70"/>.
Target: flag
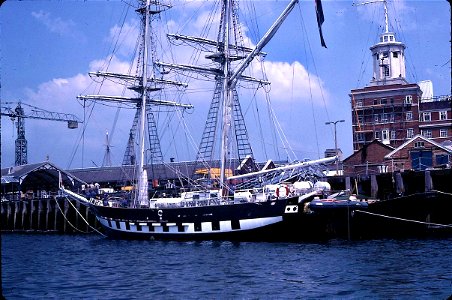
<point x="320" y="20"/>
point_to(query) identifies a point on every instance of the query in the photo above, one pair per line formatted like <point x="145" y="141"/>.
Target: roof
<point x="364" y="148"/>
<point x="389" y="155"/>
<point x="43" y="175"/>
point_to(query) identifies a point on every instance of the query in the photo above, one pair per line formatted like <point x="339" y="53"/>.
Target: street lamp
<point x="335" y="142"/>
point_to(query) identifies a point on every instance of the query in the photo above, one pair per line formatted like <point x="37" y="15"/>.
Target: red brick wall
<point x="368" y="159"/>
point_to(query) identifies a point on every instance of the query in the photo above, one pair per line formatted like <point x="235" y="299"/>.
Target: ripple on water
<point x="88" y="266"/>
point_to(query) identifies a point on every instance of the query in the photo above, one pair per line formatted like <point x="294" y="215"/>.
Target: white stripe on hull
<point x="186" y="228"/>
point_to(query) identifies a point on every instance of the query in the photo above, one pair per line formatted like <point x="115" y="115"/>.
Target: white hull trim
<point x="186" y="228"/>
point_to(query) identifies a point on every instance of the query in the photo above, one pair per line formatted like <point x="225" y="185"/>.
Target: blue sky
<point x="48" y="47"/>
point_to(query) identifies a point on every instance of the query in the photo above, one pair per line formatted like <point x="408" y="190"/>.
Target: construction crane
<point x="18" y="113"/>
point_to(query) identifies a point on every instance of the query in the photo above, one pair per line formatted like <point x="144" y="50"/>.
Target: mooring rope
<point x="87" y="223"/>
<point x="67" y="220"/>
<point x="402" y="219"/>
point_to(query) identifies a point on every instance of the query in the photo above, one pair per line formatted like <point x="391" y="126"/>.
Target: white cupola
<point x="388" y="57"/>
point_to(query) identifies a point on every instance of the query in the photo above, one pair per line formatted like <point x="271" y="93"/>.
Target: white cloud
<point x="294" y="82"/>
<point x="124" y="38"/>
<point x="58" y="26"/>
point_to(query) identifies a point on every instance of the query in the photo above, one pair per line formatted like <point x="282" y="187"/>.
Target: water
<point x="92" y="267"/>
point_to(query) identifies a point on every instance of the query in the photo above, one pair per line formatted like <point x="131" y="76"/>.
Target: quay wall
<point x="56" y="214"/>
<point x="387" y="185"/>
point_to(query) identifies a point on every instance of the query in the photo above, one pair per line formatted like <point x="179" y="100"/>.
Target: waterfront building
<point x="392" y="110"/>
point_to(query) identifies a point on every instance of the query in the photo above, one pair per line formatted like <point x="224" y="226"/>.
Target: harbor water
<point x="36" y="266"/>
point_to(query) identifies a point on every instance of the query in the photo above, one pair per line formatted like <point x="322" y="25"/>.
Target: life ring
<point x="160" y="213"/>
<point x="282" y="191"/>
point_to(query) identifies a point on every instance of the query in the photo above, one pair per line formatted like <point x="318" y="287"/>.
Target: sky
<point x="48" y="48"/>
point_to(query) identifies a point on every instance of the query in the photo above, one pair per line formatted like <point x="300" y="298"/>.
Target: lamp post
<point x="335" y="141"/>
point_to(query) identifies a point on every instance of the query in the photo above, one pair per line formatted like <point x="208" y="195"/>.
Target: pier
<point x="51" y="214"/>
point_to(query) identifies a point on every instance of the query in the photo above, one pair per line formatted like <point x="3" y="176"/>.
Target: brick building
<point x="419" y="153"/>
<point x="392" y="110"/>
<point x="370" y="159"/>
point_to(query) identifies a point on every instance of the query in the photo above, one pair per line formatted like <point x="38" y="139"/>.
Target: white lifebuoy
<point x="160" y="213"/>
<point x="282" y="191"/>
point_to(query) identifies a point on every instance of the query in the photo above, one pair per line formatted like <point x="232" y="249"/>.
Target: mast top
<point x="388" y="55"/>
<point x="385" y="3"/>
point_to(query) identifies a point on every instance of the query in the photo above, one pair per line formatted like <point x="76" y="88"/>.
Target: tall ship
<point x="248" y="202"/>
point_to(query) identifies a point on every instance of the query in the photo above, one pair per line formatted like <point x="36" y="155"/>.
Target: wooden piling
<point x="55" y="208"/>
<point x="77" y="206"/>
<point x="65" y="209"/>
<point x="428" y="181"/>
<point x="348" y="186"/>
<point x="373" y="186"/>
<point x="47" y="213"/>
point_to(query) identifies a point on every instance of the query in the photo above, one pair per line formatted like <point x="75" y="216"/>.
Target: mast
<point x="227" y="107"/>
<point x="139" y="197"/>
<point x="143" y="83"/>
<point x="385" y="3"/>
<point x="226" y="50"/>
<point x="231" y="78"/>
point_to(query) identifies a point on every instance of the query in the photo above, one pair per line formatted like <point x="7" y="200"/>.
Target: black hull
<point x="426" y="214"/>
<point x="260" y="221"/>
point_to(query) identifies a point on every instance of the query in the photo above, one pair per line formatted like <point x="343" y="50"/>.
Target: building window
<point x="408" y="99"/>
<point x="409" y="133"/>
<point x="426" y="133"/>
<point x="376" y="118"/>
<point x="393" y="134"/>
<point x="360" y="137"/>
<point x="443" y="133"/>
<point x="377" y="135"/>
<point x="359" y="103"/>
<point x="385" y="135"/>
<point x="360" y="120"/>
<point x="419" y="144"/>
<point x="391" y="118"/>
<point x="426" y="116"/>
<point x="376" y="102"/>
<point x="409" y="116"/>
<point x="395" y="54"/>
<point x="384" y="118"/>
<point x="442" y="159"/>
<point x="443" y="115"/>
<point x="384" y="101"/>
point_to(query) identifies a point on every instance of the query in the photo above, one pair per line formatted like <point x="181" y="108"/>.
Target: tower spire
<point x="388" y="55"/>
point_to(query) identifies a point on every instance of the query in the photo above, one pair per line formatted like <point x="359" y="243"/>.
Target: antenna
<point x="385" y="3"/>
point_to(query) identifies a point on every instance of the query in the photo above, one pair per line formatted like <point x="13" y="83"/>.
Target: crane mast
<point x="21" y="148"/>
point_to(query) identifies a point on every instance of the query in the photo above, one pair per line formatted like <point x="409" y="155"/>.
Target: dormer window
<point x="419" y="144"/>
<point x="391" y="38"/>
<point x="385" y="38"/>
